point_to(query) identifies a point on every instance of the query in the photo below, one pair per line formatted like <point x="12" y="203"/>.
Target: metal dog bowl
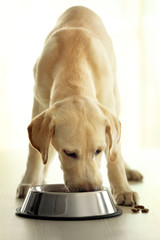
<point x="54" y="201"/>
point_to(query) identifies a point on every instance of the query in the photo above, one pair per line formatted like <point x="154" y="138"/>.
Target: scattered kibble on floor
<point x="138" y="208"/>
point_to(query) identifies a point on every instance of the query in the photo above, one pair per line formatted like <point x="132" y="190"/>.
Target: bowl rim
<point x="35" y="189"/>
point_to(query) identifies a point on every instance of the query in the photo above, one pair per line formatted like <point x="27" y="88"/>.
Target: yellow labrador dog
<point x="76" y="108"/>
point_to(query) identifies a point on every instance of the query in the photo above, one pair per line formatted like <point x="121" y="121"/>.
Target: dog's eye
<point x="98" y="151"/>
<point x="72" y="155"/>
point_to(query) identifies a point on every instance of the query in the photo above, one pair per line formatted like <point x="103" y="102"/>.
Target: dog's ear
<point x="113" y="133"/>
<point x="40" y="131"/>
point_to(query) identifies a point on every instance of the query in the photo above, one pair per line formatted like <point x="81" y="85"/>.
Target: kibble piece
<point x="139" y="206"/>
<point x="135" y="210"/>
<point x="145" y="210"/>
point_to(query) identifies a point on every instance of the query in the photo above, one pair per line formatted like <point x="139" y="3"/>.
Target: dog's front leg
<point x="119" y="184"/>
<point x="33" y="174"/>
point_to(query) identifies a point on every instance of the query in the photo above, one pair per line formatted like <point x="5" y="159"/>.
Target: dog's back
<point x="79" y="43"/>
<point x="81" y="17"/>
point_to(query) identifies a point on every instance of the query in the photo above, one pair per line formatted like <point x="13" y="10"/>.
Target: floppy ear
<point x="40" y="131"/>
<point x="113" y="133"/>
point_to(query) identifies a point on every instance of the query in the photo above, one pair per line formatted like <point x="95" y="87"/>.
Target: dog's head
<point x="80" y="130"/>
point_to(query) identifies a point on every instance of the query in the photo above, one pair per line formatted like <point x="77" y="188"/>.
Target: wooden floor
<point x="128" y="226"/>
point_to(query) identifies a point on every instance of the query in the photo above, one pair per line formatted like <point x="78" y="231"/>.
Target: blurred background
<point x="134" y="27"/>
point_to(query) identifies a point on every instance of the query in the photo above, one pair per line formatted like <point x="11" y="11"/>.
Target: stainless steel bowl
<point x="54" y="201"/>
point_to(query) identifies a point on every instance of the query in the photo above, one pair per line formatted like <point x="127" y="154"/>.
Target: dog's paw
<point x="128" y="198"/>
<point x="133" y="175"/>
<point x="22" y="190"/>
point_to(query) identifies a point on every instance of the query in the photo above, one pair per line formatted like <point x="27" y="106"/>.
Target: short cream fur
<point x="76" y="108"/>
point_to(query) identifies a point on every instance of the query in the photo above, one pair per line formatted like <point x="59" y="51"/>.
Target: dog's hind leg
<point x="132" y="175"/>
